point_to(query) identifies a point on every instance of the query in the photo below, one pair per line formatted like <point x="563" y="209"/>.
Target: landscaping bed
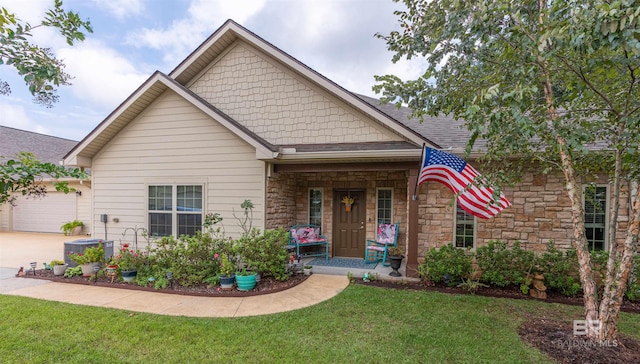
<point x="509" y="292"/>
<point x="265" y="286"/>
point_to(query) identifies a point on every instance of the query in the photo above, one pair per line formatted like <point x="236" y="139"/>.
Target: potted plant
<point x="72" y="227"/>
<point x="58" y="267"/>
<point x="88" y="260"/>
<point x="245" y="280"/>
<point x="227" y="277"/>
<point x="129" y="261"/>
<point x="394" y="254"/>
<point x="347" y="201"/>
<point x="307" y="270"/>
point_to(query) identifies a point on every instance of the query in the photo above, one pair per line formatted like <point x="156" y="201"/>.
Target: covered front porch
<point x="382" y="193"/>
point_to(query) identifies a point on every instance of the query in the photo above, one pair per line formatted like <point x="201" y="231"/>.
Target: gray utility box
<point x="78" y="246"/>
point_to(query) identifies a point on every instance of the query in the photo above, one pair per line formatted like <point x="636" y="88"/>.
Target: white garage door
<point x="44" y="215"/>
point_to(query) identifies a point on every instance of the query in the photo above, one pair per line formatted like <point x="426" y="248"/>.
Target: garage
<point x="44" y="215"/>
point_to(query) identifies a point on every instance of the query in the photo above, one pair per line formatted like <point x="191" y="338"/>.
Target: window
<point x="465" y="228"/>
<point x="384" y="203"/>
<point x="175" y="210"/>
<point x="315" y="207"/>
<point x="595" y="216"/>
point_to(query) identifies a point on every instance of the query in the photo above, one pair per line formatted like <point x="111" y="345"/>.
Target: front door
<point x="349" y="237"/>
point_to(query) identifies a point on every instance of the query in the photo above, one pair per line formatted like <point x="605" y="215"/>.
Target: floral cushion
<point x="386" y="234"/>
<point x="307" y="235"/>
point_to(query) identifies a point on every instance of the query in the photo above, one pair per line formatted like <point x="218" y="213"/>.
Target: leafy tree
<point x="551" y="81"/>
<point x="24" y="175"/>
<point x="41" y="70"/>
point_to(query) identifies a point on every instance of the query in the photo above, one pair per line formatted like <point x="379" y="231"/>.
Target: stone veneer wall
<point x="540" y="208"/>
<point x="540" y="212"/>
<point x="328" y="181"/>
<point x="281" y="194"/>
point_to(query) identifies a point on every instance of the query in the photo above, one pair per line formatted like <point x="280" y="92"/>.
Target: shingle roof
<point x="47" y="148"/>
<point x="446" y="131"/>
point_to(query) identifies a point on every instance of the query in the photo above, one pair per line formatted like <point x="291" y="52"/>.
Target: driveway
<point x="20" y="249"/>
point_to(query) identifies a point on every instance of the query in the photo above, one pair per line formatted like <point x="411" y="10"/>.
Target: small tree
<point x="40" y="69"/>
<point x="551" y="81"/>
<point x="24" y="175"/>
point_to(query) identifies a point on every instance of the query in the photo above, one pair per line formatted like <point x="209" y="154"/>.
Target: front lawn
<point x="361" y="325"/>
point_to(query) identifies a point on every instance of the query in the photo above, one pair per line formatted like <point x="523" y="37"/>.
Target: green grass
<point x="361" y="325"/>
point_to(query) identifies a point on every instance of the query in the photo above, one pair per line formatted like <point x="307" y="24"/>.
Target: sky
<point x="134" y="38"/>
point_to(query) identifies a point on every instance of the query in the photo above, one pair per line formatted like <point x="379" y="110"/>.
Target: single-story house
<point x="47" y="214"/>
<point x="240" y="119"/>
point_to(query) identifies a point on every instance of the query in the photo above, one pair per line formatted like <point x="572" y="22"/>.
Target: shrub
<point x="502" y="266"/>
<point x="448" y="264"/>
<point x="265" y="252"/>
<point x="560" y="270"/>
<point x="190" y="258"/>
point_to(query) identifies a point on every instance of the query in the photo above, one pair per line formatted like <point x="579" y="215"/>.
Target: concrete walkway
<point x="19" y="249"/>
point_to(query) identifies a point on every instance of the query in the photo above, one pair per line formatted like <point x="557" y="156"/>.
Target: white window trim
<point x="321" y="204"/>
<point x="376" y="212"/>
<point x="455" y="224"/>
<point x="174" y="202"/>
<point x="606" y="210"/>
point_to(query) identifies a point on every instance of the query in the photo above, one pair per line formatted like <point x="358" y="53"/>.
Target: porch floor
<point x="381" y="270"/>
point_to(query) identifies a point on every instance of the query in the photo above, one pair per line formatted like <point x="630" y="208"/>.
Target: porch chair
<point x="386" y="237"/>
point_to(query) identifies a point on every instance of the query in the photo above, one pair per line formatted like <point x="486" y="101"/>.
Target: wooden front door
<point x="349" y="237"/>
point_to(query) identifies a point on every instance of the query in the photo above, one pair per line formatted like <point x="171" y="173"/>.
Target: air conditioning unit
<point x="78" y="247"/>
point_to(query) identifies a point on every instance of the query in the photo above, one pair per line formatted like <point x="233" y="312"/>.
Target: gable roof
<point x="198" y="61"/>
<point x="46" y="148"/>
<point x="153" y="87"/>
<point x="231" y="31"/>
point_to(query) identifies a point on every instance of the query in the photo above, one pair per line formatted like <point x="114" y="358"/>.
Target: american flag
<point x="459" y="176"/>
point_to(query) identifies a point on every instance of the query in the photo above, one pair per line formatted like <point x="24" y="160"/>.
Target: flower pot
<point x="129" y="275"/>
<point x="88" y="269"/>
<point x="246" y="282"/>
<point x="395" y="261"/>
<point x="307" y="271"/>
<point x="58" y="270"/>
<point x="226" y="282"/>
<point x="347" y="207"/>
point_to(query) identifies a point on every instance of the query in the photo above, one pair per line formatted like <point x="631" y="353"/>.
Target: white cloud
<point x="102" y="76"/>
<point x="15" y="116"/>
<point x="183" y="35"/>
<point x="122" y="9"/>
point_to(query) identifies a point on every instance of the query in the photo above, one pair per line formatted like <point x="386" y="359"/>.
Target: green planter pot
<point x="226" y="282"/>
<point x="246" y="283"/>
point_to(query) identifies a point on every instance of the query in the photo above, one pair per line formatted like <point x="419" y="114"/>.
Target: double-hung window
<point x="595" y="216"/>
<point x="384" y="206"/>
<point x="465" y="236"/>
<point x="175" y="209"/>
<point x="315" y="207"/>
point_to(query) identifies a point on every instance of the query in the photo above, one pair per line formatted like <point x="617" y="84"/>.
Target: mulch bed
<point x="266" y="285"/>
<point x="550" y="335"/>
<point x="512" y="292"/>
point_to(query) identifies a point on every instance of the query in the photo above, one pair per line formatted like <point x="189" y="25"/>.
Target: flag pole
<point x="415" y="189"/>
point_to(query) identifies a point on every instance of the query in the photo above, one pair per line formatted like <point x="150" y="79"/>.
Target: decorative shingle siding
<point x="271" y="102"/>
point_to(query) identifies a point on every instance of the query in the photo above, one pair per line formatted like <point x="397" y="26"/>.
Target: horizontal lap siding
<point x="173" y="142"/>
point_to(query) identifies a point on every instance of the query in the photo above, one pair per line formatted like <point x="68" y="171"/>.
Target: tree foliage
<point x="41" y="70"/>
<point x="25" y="174"/>
<point x="550" y="81"/>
